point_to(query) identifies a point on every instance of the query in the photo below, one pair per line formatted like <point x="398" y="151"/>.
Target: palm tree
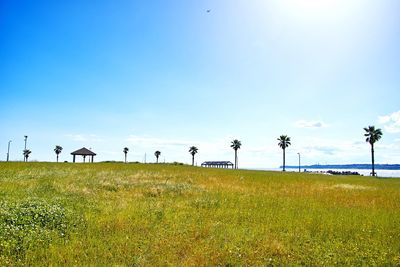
<point x="236" y="144"/>
<point x="284" y="142"/>
<point x="125" y="152"/>
<point x="58" y="150"/>
<point x="157" y="154"/>
<point x="193" y="151"/>
<point x="373" y="135"/>
<point x="26" y="153"/>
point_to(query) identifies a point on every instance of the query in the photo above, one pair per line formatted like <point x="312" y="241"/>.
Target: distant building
<point x="217" y="164"/>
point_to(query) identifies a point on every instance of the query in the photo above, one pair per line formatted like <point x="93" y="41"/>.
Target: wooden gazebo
<point x="83" y="152"/>
<point x="217" y="164"/>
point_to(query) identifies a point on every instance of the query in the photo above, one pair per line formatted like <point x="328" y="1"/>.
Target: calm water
<point x="381" y="173"/>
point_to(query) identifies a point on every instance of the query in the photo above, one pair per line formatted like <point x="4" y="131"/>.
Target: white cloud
<point x="310" y="124"/>
<point x="384" y="119"/>
<point x="391" y="122"/>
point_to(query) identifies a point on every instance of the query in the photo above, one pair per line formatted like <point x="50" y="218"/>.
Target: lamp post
<point x="8" y="150"/>
<point x="299" y="161"/>
<point x="25" y="138"/>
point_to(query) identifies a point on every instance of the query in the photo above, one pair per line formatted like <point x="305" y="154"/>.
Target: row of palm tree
<point x="373" y="135"/>
<point x="192" y="150"/>
<point x="27" y="152"/>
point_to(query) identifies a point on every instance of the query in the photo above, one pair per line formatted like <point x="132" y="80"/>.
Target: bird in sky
<point x="208" y="10"/>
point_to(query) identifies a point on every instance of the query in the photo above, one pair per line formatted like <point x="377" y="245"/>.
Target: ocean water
<point x="381" y="173"/>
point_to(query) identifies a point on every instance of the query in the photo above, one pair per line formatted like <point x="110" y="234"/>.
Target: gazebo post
<point x="73" y="159"/>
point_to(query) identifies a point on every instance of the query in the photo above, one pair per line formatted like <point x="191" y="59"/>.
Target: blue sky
<point x="165" y="75"/>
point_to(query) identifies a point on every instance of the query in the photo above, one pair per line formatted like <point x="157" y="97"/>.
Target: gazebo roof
<point x="83" y="152"/>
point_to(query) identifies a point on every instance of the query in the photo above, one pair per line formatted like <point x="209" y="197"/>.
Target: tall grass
<point x="136" y="214"/>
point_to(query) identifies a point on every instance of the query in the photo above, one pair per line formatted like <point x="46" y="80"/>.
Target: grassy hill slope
<point x="135" y="214"/>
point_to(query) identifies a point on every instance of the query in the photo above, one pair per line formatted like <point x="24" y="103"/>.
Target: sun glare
<point x="312" y="9"/>
<point x="313" y="5"/>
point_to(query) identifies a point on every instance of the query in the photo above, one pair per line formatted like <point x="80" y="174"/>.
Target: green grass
<point x="143" y="215"/>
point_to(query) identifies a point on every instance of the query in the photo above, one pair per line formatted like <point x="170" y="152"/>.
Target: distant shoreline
<point x="348" y="166"/>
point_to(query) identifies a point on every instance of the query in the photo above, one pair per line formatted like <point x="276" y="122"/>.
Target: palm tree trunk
<point x="157" y="159"/>
<point x="57" y="158"/>
<point x="283" y="159"/>
<point x="235" y="159"/>
<point x="373" y="160"/>
<point x="192" y="160"/>
<point x="125" y="157"/>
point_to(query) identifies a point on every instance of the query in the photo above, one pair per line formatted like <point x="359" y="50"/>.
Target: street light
<point x="26" y="137"/>
<point x="299" y="161"/>
<point x="8" y="151"/>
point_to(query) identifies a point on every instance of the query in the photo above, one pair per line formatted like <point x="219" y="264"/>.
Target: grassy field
<point x="141" y="215"/>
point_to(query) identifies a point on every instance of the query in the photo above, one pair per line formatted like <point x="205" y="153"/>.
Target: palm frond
<point x="236" y="144"/>
<point x="58" y="149"/>
<point x="193" y="150"/>
<point x="284" y="141"/>
<point x="373" y="135"/>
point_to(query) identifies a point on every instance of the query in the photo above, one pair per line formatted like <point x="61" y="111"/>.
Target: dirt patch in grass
<point x="353" y="187"/>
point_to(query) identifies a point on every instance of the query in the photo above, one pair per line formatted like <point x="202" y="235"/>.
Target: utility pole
<point x="299" y="161"/>
<point x="25" y="138"/>
<point x="8" y="151"/>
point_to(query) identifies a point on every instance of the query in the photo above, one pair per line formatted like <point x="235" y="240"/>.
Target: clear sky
<point x="166" y="75"/>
